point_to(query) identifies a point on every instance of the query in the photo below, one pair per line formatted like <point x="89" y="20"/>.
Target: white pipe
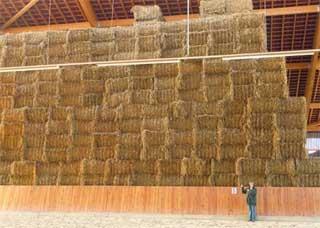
<point x="136" y="63"/>
<point x="188" y="27"/>
<point x="265" y="56"/>
<point x="28" y="68"/>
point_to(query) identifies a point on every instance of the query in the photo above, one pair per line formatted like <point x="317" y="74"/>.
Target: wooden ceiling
<point x="291" y="25"/>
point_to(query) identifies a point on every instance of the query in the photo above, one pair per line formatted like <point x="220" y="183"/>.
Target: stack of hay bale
<point x="198" y="122"/>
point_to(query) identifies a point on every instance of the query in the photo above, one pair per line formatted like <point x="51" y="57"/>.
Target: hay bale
<point x="106" y="139"/>
<point x="117" y="99"/>
<point x="272" y="77"/>
<point x="11" y="129"/>
<point x="69" y="180"/>
<point x="154" y="124"/>
<point x="147" y="13"/>
<point x="204" y="137"/>
<point x="83" y="127"/>
<point x="196" y="95"/>
<point x="171" y="70"/>
<point x="34" y="141"/>
<point x="152" y="138"/>
<point x="258" y="180"/>
<point x="208" y="122"/>
<point x="241" y="92"/>
<point x="141" y="97"/>
<point x="223" y="179"/>
<point x="169" y="180"/>
<point x="168" y="167"/>
<point x="58" y="141"/>
<point x="92" y="167"/>
<point x="47" y="88"/>
<point x="127" y="152"/>
<point x="14" y="115"/>
<point x="262" y="121"/>
<point x="91" y="180"/>
<point x="70" y="88"/>
<point x="60" y="113"/>
<point x="223" y="166"/>
<point x="179" y="138"/>
<point x="280" y="181"/>
<point x="22" y="168"/>
<point x="291" y="135"/>
<point x="118" y="167"/>
<point x="85" y="114"/>
<point x="45" y="101"/>
<point x="261" y="136"/>
<point x="155" y="111"/>
<point x="148" y="44"/>
<point x="308" y="166"/>
<point x="47" y="173"/>
<point x="195" y="167"/>
<point x="261" y="105"/>
<point x="58" y="127"/>
<point x="233" y="121"/>
<point x="291" y="121"/>
<point x="70" y="101"/>
<point x="89" y="100"/>
<point x="195" y="180"/>
<point x="206" y="151"/>
<point x="308" y="180"/>
<point x="188" y="81"/>
<point x="130" y="139"/>
<point x="233" y="137"/>
<point x="280" y="167"/>
<point x="19" y="102"/>
<point x="143" y="180"/>
<point x="216" y="93"/>
<point x="164" y="96"/>
<point x="57" y="37"/>
<point x="231" y="152"/>
<point x="208" y="108"/>
<point x="153" y="153"/>
<point x="33" y="154"/>
<point x="190" y="68"/>
<point x="78" y="153"/>
<point x="21" y="180"/>
<point x="243" y="78"/>
<point x="165" y="83"/>
<point x="292" y="150"/>
<point x="179" y="124"/>
<point x="12" y="142"/>
<point x="36" y="115"/>
<point x="82" y="140"/>
<point x="273" y="90"/>
<point x="55" y="154"/>
<point x="179" y="151"/>
<point x="108" y="127"/>
<point x="105" y="114"/>
<point x="246" y="166"/>
<point x="102" y="34"/>
<point x="262" y="150"/>
<point x="293" y="105"/>
<point x="7" y="89"/>
<point x="102" y="153"/>
<point x="144" y="167"/>
<point x="181" y="109"/>
<point x="131" y="111"/>
<point x="210" y="8"/>
<point x="11" y="154"/>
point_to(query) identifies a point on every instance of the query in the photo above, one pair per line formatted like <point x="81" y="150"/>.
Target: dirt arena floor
<point x="113" y="220"/>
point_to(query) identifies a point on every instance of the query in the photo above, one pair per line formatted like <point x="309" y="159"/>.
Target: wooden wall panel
<point x="174" y="200"/>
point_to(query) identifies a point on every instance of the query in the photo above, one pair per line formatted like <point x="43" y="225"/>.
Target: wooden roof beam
<point x="314" y="65"/>
<point x="88" y="12"/>
<point x="290" y="10"/>
<point x="19" y="14"/>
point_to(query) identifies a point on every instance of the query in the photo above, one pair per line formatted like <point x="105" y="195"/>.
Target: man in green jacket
<point x="251" y="192"/>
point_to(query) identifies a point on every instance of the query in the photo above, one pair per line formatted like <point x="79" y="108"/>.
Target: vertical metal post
<point x="188" y="27"/>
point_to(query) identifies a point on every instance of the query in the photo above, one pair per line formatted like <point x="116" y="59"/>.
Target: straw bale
<point x="117" y="85"/>
<point x="155" y="111"/>
<point x="130" y="139"/>
<point x="33" y="50"/>
<point x="179" y="151"/>
<point x="19" y="102"/>
<point x="141" y="97"/>
<point x="14" y="115"/>
<point x="70" y="88"/>
<point x="168" y="167"/>
<point x="263" y="150"/>
<point x="55" y="154"/>
<point x="34" y="141"/>
<point x="211" y="108"/>
<point x="5" y="168"/>
<point x="173" y="53"/>
<point x="48" y="76"/>
<point x="148" y="43"/>
<point x="105" y="114"/>
<point x="60" y="113"/>
<point x="58" y="141"/>
<point x="165" y="83"/>
<point x="207" y="122"/>
<point x="12" y="129"/>
<point x="102" y="34"/>
<point x="152" y="138"/>
<point x="22" y="78"/>
<point x="172" y="41"/>
<point x="231" y="151"/>
<point x="21" y="180"/>
<point x="128" y="55"/>
<point x="188" y="81"/>
<point x="118" y="167"/>
<point x="108" y="126"/>
<point x="195" y="167"/>
<point x="33" y="154"/>
<point x="117" y="99"/>
<point x="179" y="138"/>
<point x="206" y="151"/>
<point x="57" y="37"/>
<point x="30" y="38"/>
<point x="292" y="150"/>
<point x="82" y="140"/>
<point x="152" y="153"/>
<point x="219" y="79"/>
<point x="106" y="139"/>
<point x="102" y="51"/>
<point x="141" y="83"/>
<point x="199" y="38"/>
<point x="291" y="121"/>
<point x="171" y="70"/>
<point x="223" y="179"/>
<point x="242" y="92"/>
<point x="142" y="71"/>
<point x="125" y="46"/>
<point x="243" y="78"/>
<point x="69" y="169"/>
<point x="25" y="90"/>
<point x="144" y="167"/>
<point x="273" y="90"/>
<point x="7" y="89"/>
<point x="190" y="67"/>
<point x="262" y="105"/>
<point x="293" y="105"/>
<point x="292" y="135"/>
<point x="280" y="181"/>
<point x="127" y="152"/>
<point x="308" y="180"/>
<point x="91" y="180"/>
<point x="252" y="35"/>
<point x="261" y="136"/>
<point x="154" y="124"/>
<point x="195" y="180"/>
<point x="273" y="77"/>
<point x="169" y="180"/>
<point x="47" y="169"/>
<point x="44" y="88"/>
<point x="70" y="75"/>
<point x="308" y="166"/>
<point x="262" y="121"/>
<point x="179" y="124"/>
<point x="7" y="77"/>
<point x="164" y="96"/>
<point x="70" y="101"/>
<point x="68" y="180"/>
<point x="79" y="48"/>
<point x="34" y="60"/>
<point x="92" y="167"/>
<point x="211" y="8"/>
<point x="58" y="127"/>
<point x="216" y="67"/>
<point x="233" y="137"/>
<point x="22" y="168"/>
<point x="147" y="13"/>
<point x="4" y="179"/>
<point x="36" y="115"/>
<point x="92" y="86"/>
<point x="247" y="166"/>
<point x="233" y="121"/>
<point x="12" y="142"/>
<point x="57" y="53"/>
<point x="89" y="100"/>
<point x="143" y="180"/>
<point x="196" y="95"/>
<point x="131" y="111"/>
<point x="85" y="114"/>
<point x="202" y="137"/>
<point x="78" y="35"/>
<point x="280" y="167"/>
<point x="102" y="153"/>
<point x="11" y="154"/>
<point x="216" y="93"/>
<point x="223" y="166"/>
<point x="258" y="180"/>
<point x="78" y="153"/>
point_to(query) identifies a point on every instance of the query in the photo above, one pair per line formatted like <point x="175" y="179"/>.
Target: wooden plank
<point x="290" y="10"/>
<point x="314" y="64"/>
<point x="297" y="66"/>
<point x="88" y="12"/>
<point x="272" y="201"/>
<point x="19" y="14"/>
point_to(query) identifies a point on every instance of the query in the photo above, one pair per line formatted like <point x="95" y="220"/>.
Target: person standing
<point x="251" y="192"/>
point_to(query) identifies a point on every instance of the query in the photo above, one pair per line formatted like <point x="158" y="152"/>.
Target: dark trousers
<point x="252" y="212"/>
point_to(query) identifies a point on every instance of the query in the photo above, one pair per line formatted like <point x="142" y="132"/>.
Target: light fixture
<point x="28" y="68"/>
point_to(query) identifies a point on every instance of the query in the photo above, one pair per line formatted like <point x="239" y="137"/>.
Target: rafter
<point x="88" y="12"/>
<point x="19" y="14"/>
<point x="290" y="10"/>
<point x="297" y="66"/>
<point x="314" y="65"/>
